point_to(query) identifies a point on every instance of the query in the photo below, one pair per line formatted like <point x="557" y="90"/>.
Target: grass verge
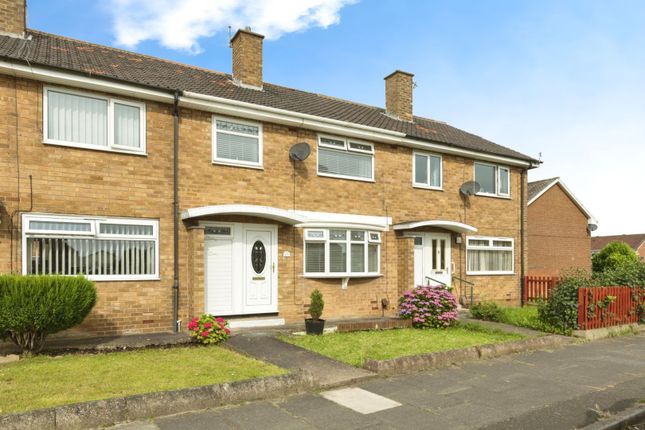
<point x="356" y="347"/>
<point x="44" y="381"/>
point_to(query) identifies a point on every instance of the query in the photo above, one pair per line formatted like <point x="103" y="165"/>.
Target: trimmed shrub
<point x="33" y="307"/>
<point x="429" y="307"/>
<point x="316" y="305"/>
<point x="614" y="256"/>
<point x="209" y="329"/>
<point x="488" y="311"/>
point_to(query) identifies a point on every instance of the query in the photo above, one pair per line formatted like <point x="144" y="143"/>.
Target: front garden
<point x="356" y="347"/>
<point x="33" y="307"/>
<point x="45" y="381"/>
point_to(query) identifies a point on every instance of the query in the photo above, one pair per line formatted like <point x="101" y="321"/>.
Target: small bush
<point x="487" y="311"/>
<point x="560" y="311"/>
<point x="208" y="329"/>
<point x="614" y="256"/>
<point x="33" y="307"/>
<point x="316" y="305"/>
<point x="429" y="307"/>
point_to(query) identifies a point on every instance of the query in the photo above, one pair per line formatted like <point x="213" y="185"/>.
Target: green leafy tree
<point x="614" y="256"/>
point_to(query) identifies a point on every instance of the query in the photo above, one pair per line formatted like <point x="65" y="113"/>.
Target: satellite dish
<point x="300" y="151"/>
<point x="470" y="188"/>
<point x="592" y="227"/>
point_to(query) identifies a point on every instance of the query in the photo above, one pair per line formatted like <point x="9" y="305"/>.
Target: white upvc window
<point x="427" y="170"/>
<point x="85" y="120"/>
<point x="494" y="180"/>
<point x="103" y="249"/>
<point x="490" y="255"/>
<point x="339" y="157"/>
<point x="339" y="252"/>
<point x="237" y="142"/>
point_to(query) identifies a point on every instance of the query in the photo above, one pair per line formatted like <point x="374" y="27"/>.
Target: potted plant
<point x="315" y="325"/>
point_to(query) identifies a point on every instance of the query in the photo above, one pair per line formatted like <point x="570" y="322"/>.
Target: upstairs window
<point x="342" y="253"/>
<point x="343" y="158"/>
<point x="78" y="119"/>
<point x="494" y="180"/>
<point x="426" y="171"/>
<point x="237" y="142"/>
<point x="103" y="249"/>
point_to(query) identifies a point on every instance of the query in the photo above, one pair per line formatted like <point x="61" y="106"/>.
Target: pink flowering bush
<point x="429" y="307"/>
<point x="209" y="329"/>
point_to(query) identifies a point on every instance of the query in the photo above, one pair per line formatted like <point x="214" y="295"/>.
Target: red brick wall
<point x="558" y="238"/>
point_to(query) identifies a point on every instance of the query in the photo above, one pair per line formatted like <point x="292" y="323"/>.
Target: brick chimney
<point x="13" y="17"/>
<point x="247" y="57"/>
<point x="398" y="95"/>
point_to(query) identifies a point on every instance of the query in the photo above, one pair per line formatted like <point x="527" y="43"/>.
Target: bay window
<point x="84" y="120"/>
<point x="103" y="249"/>
<point x="489" y="255"/>
<point x="343" y="158"/>
<point x="341" y="252"/>
<point x="494" y="180"/>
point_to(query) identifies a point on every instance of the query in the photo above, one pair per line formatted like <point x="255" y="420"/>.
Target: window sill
<point x="490" y="273"/>
<point x="116" y="278"/>
<point x="349" y="178"/>
<point x="234" y="164"/>
<point x="426" y="187"/>
<point x="494" y="196"/>
<point x="94" y="148"/>
<point x="341" y="275"/>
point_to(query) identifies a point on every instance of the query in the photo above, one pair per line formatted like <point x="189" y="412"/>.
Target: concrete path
<point x="327" y="372"/>
<point x="561" y="389"/>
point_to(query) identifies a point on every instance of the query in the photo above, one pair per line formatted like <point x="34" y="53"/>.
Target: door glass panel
<point x="258" y="256"/>
<point x="434" y="254"/>
<point x="442" y="250"/>
<point x="418" y="240"/>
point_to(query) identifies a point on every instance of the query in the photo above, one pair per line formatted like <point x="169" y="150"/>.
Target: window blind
<point x="127" y="125"/>
<point x="75" y="118"/>
<point x="345" y="163"/>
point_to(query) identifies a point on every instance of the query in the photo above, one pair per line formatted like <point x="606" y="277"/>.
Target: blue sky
<point x="562" y="78"/>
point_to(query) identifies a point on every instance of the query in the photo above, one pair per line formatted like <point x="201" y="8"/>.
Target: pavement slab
<point x="362" y="401"/>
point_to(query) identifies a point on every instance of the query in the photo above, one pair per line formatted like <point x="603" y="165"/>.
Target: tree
<point x="614" y="256"/>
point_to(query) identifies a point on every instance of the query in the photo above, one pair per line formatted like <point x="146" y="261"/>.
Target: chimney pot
<point x="398" y="95"/>
<point x="247" y="58"/>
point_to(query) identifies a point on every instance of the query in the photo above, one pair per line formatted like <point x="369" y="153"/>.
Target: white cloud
<point x="180" y="24"/>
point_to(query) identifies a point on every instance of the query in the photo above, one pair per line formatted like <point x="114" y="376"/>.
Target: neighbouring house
<point x="181" y="190"/>
<point x="635" y="241"/>
<point x="559" y="229"/>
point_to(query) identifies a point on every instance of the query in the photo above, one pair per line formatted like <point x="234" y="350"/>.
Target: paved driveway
<point x="559" y="389"/>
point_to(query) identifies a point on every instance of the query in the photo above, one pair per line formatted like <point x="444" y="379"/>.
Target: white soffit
<point x="448" y="225"/>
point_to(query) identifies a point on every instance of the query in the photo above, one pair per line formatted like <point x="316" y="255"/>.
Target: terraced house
<point x="182" y="190"/>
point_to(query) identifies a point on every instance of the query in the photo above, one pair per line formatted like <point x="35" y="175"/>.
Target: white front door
<point x="432" y="259"/>
<point x="240" y="269"/>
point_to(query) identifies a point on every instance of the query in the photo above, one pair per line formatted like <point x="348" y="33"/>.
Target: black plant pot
<point x="314" y="326"/>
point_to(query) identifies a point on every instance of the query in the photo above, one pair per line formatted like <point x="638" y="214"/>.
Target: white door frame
<point x="427" y="237"/>
<point x="240" y="266"/>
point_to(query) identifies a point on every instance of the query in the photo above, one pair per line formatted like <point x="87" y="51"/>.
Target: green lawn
<point x="45" y="381"/>
<point x="356" y="347"/>
<point x="523" y="317"/>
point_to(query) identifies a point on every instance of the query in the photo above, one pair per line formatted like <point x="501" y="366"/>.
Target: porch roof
<point x="448" y="225"/>
<point x="303" y="219"/>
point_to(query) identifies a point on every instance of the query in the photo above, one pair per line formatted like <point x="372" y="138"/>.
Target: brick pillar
<point x="195" y="286"/>
<point x="405" y="268"/>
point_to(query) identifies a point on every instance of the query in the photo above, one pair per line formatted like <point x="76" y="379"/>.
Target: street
<point x="562" y="389"/>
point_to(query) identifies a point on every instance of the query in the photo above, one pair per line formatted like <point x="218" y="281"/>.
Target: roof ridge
<point x="545" y="180"/>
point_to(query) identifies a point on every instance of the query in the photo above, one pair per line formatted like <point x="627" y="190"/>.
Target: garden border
<point x="107" y="412"/>
<point x="441" y="359"/>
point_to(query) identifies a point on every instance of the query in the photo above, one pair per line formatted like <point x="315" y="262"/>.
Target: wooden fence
<point x="537" y="287"/>
<point x="607" y="306"/>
